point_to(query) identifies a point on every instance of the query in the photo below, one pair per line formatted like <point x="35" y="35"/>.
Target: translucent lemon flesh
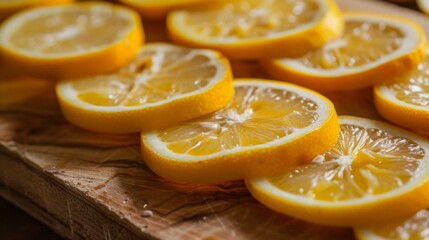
<point x="413" y="88"/>
<point x="362" y="43"/>
<point x="70" y="30"/>
<point x="364" y="162"/>
<point x="257" y="115"/>
<point x="153" y="77"/>
<point x="416" y="227"/>
<point x="252" y="18"/>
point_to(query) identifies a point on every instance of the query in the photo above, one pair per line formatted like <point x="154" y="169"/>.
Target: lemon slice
<point x="423" y="5"/>
<point x="251" y="29"/>
<point x="267" y="126"/>
<point x="9" y="7"/>
<point x="405" y="99"/>
<point x="413" y="228"/>
<point x="71" y="40"/>
<point x="375" y="173"/>
<point x="163" y="85"/>
<point x="158" y="9"/>
<point x="372" y="48"/>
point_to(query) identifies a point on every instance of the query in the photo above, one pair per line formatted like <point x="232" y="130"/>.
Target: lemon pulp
<point x="153" y="77"/>
<point x="361" y="43"/>
<point x="70" y="30"/>
<point x="364" y="162"/>
<point x="256" y="115"/>
<point x="252" y="18"/>
<point x="413" y="88"/>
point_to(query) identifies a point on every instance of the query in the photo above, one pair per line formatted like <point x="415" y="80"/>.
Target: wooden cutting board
<point x="86" y="185"/>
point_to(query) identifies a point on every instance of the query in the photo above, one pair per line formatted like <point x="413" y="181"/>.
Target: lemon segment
<point x="405" y="99"/>
<point x="266" y="127"/>
<point x="71" y="40"/>
<point x="253" y="29"/>
<point x="365" y="178"/>
<point x="373" y="48"/>
<point x="165" y="84"/>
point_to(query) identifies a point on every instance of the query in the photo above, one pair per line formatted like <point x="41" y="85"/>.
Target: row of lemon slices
<point x="201" y="126"/>
<point x="150" y="9"/>
<point x="371" y="50"/>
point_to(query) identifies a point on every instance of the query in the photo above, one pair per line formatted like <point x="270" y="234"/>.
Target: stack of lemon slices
<point x="199" y="124"/>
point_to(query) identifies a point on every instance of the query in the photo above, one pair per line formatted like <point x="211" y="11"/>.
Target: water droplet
<point x="146" y="213"/>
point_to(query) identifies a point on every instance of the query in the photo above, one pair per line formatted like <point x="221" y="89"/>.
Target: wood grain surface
<point x="86" y="185"/>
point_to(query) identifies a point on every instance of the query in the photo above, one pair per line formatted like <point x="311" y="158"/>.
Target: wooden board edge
<point x="34" y="211"/>
<point x="51" y="204"/>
